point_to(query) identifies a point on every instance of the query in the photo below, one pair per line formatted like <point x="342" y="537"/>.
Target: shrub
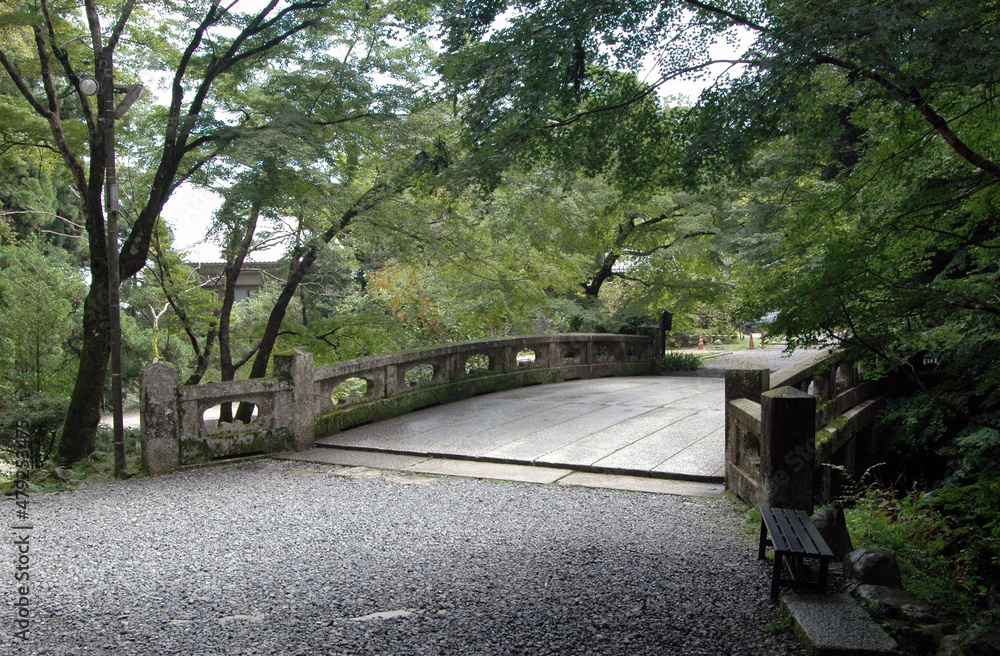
<point x="681" y="362"/>
<point x="947" y="541"/>
<point x="43" y="415"/>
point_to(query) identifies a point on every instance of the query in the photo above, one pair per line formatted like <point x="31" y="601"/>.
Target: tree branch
<point x="913" y="97"/>
<point x="718" y="11"/>
<point x="116" y="31"/>
<point x="644" y="93"/>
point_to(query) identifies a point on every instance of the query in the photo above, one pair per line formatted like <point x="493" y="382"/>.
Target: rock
<point x="984" y="643"/>
<point x="913" y="639"/>
<point x="872" y="567"/>
<point x="60" y="475"/>
<point x="896" y="603"/>
<point x="831" y="524"/>
<point x="918" y="614"/>
<point x="937" y="632"/>
<point x="950" y="646"/>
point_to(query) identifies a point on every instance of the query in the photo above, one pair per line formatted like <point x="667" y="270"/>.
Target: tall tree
<point x="207" y="51"/>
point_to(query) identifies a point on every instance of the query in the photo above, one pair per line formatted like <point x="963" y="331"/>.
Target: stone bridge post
<point x="659" y="343"/>
<point x="788" y="448"/>
<point x="746" y="380"/>
<point x="297" y="367"/>
<point x="158" y="424"/>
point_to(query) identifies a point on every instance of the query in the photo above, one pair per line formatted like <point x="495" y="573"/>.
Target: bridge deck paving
<point x="594" y="447"/>
<point x="651" y="427"/>
<point x="360" y="464"/>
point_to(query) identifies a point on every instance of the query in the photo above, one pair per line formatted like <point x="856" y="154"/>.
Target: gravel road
<point x="773" y="356"/>
<point x="271" y="557"/>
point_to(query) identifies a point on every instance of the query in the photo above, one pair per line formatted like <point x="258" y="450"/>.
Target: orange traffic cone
<point x="701" y="341"/>
<point x="751" y="341"/>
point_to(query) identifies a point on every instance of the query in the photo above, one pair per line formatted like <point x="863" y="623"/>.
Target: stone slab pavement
<point x="363" y="464"/>
<point x="654" y="427"/>
<point x="834" y="625"/>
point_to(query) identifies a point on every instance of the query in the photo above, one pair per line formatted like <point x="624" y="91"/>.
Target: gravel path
<point x="274" y="557"/>
<point x="773" y="356"/>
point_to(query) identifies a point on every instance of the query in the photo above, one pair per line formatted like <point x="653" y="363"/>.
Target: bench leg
<point x="763" y="541"/>
<point x="824" y="564"/>
<point x="776" y="576"/>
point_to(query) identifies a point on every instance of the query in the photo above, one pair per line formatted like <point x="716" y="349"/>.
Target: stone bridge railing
<point x="781" y="431"/>
<point x="302" y="402"/>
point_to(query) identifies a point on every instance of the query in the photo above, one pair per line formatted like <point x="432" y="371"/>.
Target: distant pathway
<point x="771" y="356"/>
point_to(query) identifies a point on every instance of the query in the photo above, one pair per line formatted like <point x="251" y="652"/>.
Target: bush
<point x="947" y="541"/>
<point x="681" y="362"/>
<point x="43" y="415"/>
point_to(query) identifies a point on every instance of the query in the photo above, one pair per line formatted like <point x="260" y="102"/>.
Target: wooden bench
<point x="794" y="537"/>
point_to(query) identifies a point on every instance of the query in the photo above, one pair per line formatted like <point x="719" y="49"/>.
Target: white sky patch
<point x="687" y="89"/>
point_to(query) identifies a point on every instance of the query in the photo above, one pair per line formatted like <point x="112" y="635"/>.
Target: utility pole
<point x="108" y="113"/>
<point x="114" y="300"/>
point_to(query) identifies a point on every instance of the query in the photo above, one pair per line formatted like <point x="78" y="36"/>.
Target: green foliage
<point x="170" y="313"/>
<point x="97" y="468"/>
<point x="544" y="80"/>
<point x="681" y="362"/>
<point x="947" y="542"/>
<point x="40" y="301"/>
<point x="41" y="416"/>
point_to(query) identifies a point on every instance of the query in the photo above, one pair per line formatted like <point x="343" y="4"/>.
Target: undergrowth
<point x="99" y="467"/>
<point x="681" y="362"/>
<point x="946" y="541"/>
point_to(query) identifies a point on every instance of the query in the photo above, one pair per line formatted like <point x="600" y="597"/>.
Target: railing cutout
<point x="352" y="390"/>
<point x="422" y="374"/>
<point x="477" y="364"/>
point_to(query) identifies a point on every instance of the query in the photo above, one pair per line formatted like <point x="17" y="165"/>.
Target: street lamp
<point x="109" y="113"/>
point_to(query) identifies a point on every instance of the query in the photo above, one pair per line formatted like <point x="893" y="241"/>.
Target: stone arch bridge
<point x="434" y="410"/>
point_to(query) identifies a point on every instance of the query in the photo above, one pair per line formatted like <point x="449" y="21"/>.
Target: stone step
<point x="834" y="625"/>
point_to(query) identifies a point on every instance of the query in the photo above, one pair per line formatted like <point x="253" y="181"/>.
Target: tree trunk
<point x="229" y="278"/>
<point x="592" y="288"/>
<point x="422" y="162"/>
<point x="79" y="437"/>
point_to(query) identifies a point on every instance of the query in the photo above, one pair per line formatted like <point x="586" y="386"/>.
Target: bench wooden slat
<point x="819" y="544"/>
<point x="793" y="535"/>
<point x="777" y="539"/>
<point x="788" y="532"/>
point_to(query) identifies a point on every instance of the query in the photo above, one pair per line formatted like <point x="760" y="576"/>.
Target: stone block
<point x="158" y="425"/>
<point x="834" y="625"/>
<point x="787" y="448"/>
<point x="746" y="380"/>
